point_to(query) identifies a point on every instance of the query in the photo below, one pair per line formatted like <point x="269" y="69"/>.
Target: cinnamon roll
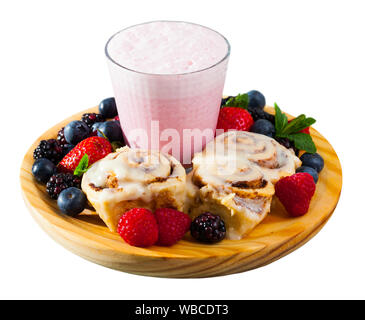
<point x="131" y="178"/>
<point x="234" y="177"/>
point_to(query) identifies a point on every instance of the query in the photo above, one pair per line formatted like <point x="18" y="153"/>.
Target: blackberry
<point x="258" y="113"/>
<point x="61" y="137"/>
<point x="62" y="181"/>
<point x="208" y="228"/>
<point x="49" y="149"/>
<point x="288" y="144"/>
<point x="66" y="147"/>
<point x="91" y="118"/>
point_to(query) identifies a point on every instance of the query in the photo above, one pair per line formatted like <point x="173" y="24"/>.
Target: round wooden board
<point x="278" y="235"/>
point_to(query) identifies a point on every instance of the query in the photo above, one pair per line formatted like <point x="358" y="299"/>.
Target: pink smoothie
<point x="168" y="79"/>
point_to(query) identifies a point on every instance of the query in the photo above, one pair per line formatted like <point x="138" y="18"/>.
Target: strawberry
<point x="295" y="193"/>
<point x="234" y="118"/>
<point x="172" y="225"/>
<point x="138" y="227"/>
<point x="95" y="148"/>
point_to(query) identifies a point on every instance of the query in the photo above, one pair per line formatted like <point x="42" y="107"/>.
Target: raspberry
<point x="61" y="181"/>
<point x="295" y="193"/>
<point x="208" y="228"/>
<point x="234" y="118"/>
<point x="116" y="118"/>
<point x="138" y="227"/>
<point x="172" y="225"/>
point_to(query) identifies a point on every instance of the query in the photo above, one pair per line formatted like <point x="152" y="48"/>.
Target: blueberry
<point x="264" y="127"/>
<point x="43" y="169"/>
<point x="71" y="201"/>
<point x="256" y="99"/>
<point x="108" y="108"/>
<point x="313" y="160"/>
<point x="309" y="170"/>
<point x="96" y="126"/>
<point x="112" y="130"/>
<point x="76" y="131"/>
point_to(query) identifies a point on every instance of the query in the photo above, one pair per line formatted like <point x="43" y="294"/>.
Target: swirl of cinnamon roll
<point x="133" y="178"/>
<point x="234" y="177"/>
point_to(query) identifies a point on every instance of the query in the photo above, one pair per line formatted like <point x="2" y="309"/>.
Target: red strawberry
<point x="95" y="147"/>
<point x="305" y="130"/>
<point x="116" y="118"/>
<point x="172" y="225"/>
<point x="138" y="227"/>
<point x="295" y="192"/>
<point x="234" y="118"/>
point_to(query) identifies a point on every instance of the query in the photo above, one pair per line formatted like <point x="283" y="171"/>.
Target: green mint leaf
<point x="82" y="166"/>
<point x="297" y="124"/>
<point x="240" y="101"/>
<point x="303" y="141"/>
<point x="281" y="120"/>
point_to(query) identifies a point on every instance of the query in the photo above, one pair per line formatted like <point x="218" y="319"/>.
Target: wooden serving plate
<point x="278" y="235"/>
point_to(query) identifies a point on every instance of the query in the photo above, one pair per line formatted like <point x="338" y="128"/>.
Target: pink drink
<point x="168" y="77"/>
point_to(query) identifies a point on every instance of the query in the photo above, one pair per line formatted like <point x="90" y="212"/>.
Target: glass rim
<point x="167" y="74"/>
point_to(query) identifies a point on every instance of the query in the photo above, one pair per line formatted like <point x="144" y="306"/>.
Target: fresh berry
<point x="256" y="99"/>
<point x="43" y="169"/>
<point x="305" y="130"/>
<point x="138" y="227"/>
<point x="49" y="149"/>
<point x="112" y="130"/>
<point x="61" y="181"/>
<point x="264" y="127"/>
<point x="76" y="131"/>
<point x="116" y="118"/>
<point x="91" y="118"/>
<point x="313" y="160"/>
<point x="95" y="127"/>
<point x="258" y="113"/>
<point x="295" y="192"/>
<point x="66" y="147"/>
<point x="208" y="228"/>
<point x="172" y="225"/>
<point x="108" y="108"/>
<point x="61" y="137"/>
<point x="71" y="201"/>
<point x="309" y="170"/>
<point x="234" y="118"/>
<point x="95" y="147"/>
<point x="288" y="144"/>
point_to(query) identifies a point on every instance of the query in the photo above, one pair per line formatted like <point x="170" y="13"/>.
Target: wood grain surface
<point x="277" y="236"/>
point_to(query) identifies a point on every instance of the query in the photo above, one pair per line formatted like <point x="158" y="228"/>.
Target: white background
<point x="308" y="56"/>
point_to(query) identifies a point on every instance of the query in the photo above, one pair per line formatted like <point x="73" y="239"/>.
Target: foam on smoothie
<point x="167" y="48"/>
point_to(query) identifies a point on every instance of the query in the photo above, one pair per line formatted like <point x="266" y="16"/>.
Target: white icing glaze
<point x="126" y="174"/>
<point x="239" y="156"/>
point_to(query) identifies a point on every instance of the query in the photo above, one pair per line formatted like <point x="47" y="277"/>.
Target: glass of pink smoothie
<point x="168" y="80"/>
